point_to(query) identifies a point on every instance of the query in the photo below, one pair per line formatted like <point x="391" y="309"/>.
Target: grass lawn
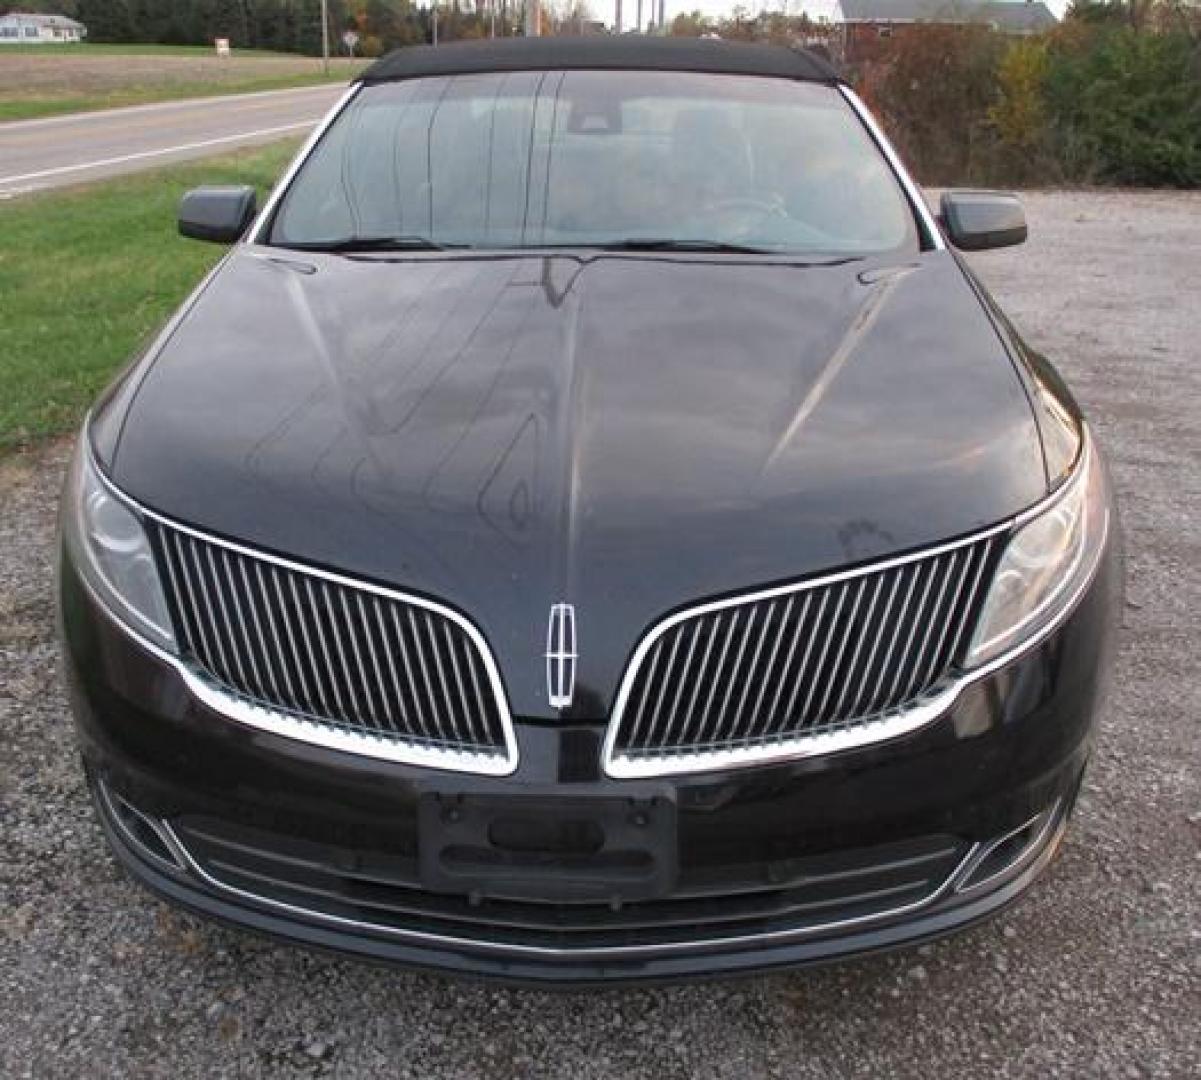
<point x="33" y="108"/>
<point x="87" y="274"/>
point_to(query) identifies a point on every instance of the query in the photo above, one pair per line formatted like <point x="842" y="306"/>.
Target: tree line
<point x="295" y="25"/>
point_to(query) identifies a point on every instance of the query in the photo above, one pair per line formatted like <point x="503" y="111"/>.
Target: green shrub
<point x="1110" y="96"/>
<point x="1125" y="106"/>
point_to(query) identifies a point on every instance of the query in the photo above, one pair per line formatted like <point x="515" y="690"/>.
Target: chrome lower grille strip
<point x="792" y="670"/>
<point x="693" y="943"/>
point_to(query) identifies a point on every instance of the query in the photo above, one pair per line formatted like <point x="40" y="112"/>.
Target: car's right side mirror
<point x="219" y="214"/>
<point x="978" y="220"/>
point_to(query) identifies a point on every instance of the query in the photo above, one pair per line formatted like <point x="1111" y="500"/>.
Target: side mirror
<point x="978" y="220"/>
<point x="219" y="214"/>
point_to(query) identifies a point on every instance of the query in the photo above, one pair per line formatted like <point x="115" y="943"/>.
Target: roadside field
<point x="88" y="48"/>
<point x="86" y="274"/>
<point x="86" y="77"/>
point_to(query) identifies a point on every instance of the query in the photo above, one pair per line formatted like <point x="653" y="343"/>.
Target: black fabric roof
<point x="628" y="52"/>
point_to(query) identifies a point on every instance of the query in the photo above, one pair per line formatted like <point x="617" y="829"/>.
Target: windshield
<point x="650" y="160"/>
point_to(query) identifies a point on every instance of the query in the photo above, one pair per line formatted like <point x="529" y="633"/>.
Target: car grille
<point x="778" y="667"/>
<point x="343" y="656"/>
<point x="381" y="890"/>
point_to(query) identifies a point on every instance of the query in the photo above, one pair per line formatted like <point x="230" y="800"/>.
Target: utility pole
<point x="638" y="24"/>
<point x="663" y="16"/>
<point x="325" y="36"/>
<point x="617" y="18"/>
<point x="434" y="18"/>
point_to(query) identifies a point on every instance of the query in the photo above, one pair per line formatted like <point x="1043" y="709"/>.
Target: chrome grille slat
<point x="929" y="572"/>
<point x="215" y="583"/>
<point x="335" y="684"/>
<point x="212" y="639"/>
<point x="431" y="698"/>
<point x="856" y="706"/>
<point x="255" y="681"/>
<point x="397" y="686"/>
<point x="385" y="713"/>
<point x="852" y="665"/>
<point x="274" y="618"/>
<point x="760" y="640"/>
<point x="640" y="712"/>
<point x="260" y="637"/>
<point x="803" y="661"/>
<point x="764" y="683"/>
<point x="921" y="661"/>
<point x="819" y="668"/>
<point x="675" y="645"/>
<point x="913" y="571"/>
<point x="681" y="682"/>
<point x="315" y="668"/>
<point x="385" y="674"/>
<point x="802" y="619"/>
<point x="715" y="679"/>
<point x="744" y="637"/>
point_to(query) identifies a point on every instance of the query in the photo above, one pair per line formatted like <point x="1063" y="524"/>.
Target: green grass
<point x="33" y="108"/>
<point x="86" y="275"/>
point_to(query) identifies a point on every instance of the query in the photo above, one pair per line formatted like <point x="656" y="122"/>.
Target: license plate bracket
<point x="549" y="848"/>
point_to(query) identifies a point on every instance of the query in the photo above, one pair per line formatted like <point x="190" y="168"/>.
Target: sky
<point x="604" y="8"/>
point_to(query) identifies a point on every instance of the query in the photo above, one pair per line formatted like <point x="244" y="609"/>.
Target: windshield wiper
<point x="655" y="243"/>
<point x="350" y="244"/>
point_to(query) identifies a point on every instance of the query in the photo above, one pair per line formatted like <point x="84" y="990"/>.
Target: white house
<point x="17" y="28"/>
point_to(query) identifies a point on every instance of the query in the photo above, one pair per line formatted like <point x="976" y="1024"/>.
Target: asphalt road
<point x="1096" y="973"/>
<point x="81" y="147"/>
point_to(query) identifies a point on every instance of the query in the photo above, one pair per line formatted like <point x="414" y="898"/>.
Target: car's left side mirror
<point x="219" y="214"/>
<point x="978" y="220"/>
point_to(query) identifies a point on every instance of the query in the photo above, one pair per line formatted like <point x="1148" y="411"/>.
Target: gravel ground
<point x="1097" y="973"/>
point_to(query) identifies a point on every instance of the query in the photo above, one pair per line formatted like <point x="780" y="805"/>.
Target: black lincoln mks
<point x="591" y="525"/>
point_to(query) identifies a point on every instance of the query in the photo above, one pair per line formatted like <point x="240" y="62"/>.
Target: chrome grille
<point x="737" y="680"/>
<point x="341" y="656"/>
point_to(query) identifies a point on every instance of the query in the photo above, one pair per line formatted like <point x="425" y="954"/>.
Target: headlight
<point x="1048" y="561"/>
<point x="109" y="548"/>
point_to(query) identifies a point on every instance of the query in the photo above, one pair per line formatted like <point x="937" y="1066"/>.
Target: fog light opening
<point x="1006" y="853"/>
<point x="143" y="833"/>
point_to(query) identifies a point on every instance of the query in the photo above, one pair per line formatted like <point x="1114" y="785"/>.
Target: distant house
<point x="865" y="27"/>
<point x="17" y="28"/>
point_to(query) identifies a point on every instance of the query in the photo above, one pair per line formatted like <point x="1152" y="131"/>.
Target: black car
<point x="591" y="526"/>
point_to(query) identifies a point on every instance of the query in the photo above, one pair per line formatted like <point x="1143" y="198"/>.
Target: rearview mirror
<point x="977" y="220"/>
<point x="219" y="214"/>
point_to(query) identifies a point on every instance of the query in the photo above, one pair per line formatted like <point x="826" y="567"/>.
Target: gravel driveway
<point x="1097" y="973"/>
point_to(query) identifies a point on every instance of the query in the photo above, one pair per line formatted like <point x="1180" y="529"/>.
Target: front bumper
<point x="778" y="865"/>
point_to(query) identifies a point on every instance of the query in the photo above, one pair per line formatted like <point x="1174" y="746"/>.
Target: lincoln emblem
<point x="560" y="655"/>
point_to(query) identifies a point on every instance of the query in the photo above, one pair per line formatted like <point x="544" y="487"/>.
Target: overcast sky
<point x="604" y="8"/>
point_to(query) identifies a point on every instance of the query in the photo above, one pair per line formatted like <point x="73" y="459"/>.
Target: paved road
<point x="63" y="150"/>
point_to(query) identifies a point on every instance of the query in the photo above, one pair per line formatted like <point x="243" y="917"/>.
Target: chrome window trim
<point x="255" y="234"/>
<point x="250" y="713"/>
<point x="700" y="945"/>
<point x="916" y="197"/>
<point x="893" y="725"/>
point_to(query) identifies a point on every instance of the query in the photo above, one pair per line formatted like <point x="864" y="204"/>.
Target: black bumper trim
<point x="947" y="909"/>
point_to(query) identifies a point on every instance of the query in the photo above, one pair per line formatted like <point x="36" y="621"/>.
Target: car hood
<point x="627" y="434"/>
